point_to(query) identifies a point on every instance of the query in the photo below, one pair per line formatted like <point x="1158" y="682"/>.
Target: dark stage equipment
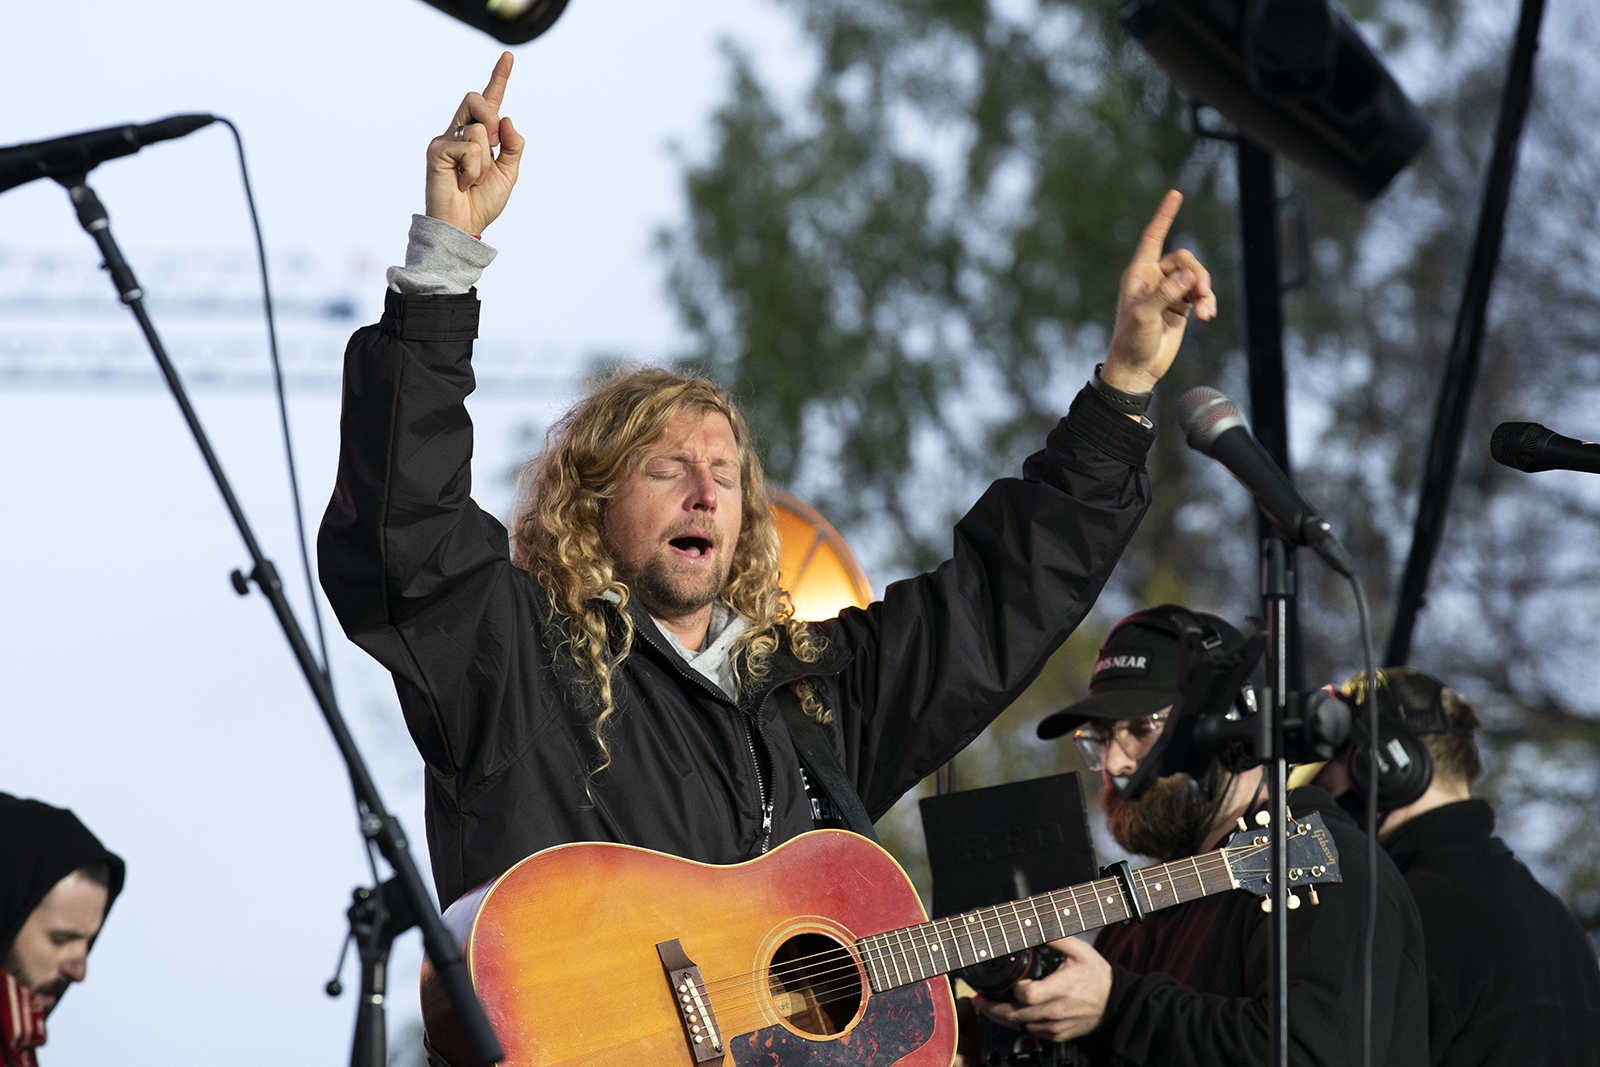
<point x="1214" y="425"/>
<point x="1294" y="76"/>
<point x="508" y="21"/>
<point x="1530" y="447"/>
<point x="78" y="153"/>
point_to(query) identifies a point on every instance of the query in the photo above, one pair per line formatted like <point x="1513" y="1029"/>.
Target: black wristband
<point x="1121" y="399"/>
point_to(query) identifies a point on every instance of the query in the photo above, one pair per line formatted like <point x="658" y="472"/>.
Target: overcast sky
<point x="137" y="688"/>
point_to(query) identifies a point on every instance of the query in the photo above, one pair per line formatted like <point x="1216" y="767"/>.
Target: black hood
<point x="39" y="846"/>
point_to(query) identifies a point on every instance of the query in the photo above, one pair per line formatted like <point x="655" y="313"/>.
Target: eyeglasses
<point x="1135" y="736"/>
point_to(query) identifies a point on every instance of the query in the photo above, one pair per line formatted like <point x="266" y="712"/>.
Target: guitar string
<point x="1213" y="863"/>
<point x="848" y="975"/>
<point x="734" y="1016"/>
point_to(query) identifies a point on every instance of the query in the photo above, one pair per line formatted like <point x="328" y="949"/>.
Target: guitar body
<point x="562" y="949"/>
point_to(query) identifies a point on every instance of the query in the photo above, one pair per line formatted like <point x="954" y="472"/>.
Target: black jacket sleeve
<point x="943" y="653"/>
<point x="418" y="574"/>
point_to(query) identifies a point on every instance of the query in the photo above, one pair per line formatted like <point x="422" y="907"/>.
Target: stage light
<point x="814" y="562"/>
<point x="1294" y="76"/>
<point x="509" y="21"/>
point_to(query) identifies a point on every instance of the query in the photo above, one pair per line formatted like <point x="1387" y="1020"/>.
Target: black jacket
<point x="420" y="578"/>
<point x="1511" y="978"/>
<point x="1189" y="984"/>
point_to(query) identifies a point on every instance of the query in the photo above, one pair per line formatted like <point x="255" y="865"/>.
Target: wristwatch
<point x="1121" y="399"/>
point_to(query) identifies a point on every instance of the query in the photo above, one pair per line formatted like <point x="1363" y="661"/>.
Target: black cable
<point x="1370" y="939"/>
<point x="283" y="405"/>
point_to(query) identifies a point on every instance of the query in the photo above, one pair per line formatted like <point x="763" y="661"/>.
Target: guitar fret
<point x="897" y="959"/>
<point x="917" y="973"/>
<point x="1038" y="922"/>
<point x="875" y="978"/>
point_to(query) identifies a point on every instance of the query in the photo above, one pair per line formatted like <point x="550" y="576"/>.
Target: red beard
<point x="1166" y="823"/>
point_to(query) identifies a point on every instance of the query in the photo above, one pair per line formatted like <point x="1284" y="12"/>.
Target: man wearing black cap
<point x="1188" y="985"/>
<point x="57" y="883"/>
<point x="1511" y="978"/>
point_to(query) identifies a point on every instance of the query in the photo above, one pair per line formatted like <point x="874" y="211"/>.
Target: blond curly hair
<point x="557" y="534"/>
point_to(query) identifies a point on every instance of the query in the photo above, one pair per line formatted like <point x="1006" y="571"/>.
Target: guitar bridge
<point x="692" y="1001"/>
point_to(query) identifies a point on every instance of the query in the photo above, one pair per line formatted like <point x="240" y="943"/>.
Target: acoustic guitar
<point x="817" y="953"/>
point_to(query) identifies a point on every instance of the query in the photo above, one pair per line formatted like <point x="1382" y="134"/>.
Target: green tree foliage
<point x="907" y="272"/>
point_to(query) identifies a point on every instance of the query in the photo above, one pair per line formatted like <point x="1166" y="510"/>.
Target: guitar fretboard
<point x="916" y="953"/>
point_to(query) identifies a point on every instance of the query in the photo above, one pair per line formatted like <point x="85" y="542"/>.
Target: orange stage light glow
<point x="814" y="562"/>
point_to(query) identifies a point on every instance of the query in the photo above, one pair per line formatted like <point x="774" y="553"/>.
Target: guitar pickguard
<point x="894" y="1025"/>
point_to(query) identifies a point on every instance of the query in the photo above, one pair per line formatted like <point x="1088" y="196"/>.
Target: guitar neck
<point x="916" y="953"/>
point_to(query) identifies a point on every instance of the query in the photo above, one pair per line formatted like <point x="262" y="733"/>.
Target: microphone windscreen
<point x="1512" y="443"/>
<point x="1203" y="412"/>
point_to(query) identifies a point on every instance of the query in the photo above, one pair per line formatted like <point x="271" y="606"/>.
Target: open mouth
<point x="692" y="545"/>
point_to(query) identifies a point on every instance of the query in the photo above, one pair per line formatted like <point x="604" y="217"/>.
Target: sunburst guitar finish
<point x="563" y="952"/>
<point x="816" y="954"/>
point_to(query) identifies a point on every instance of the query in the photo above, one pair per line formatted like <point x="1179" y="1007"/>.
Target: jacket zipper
<point x="761" y="785"/>
<point x="749" y="740"/>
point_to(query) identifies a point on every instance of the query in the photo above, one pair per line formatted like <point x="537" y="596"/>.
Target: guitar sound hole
<point x="815" y="984"/>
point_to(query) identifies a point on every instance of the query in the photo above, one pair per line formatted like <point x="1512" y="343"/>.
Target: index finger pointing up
<point x="495" y="92"/>
<point x="1155" y="234"/>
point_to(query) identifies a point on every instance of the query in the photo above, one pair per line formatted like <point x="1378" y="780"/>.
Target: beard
<point x="1166" y="823"/>
<point x="51" y="989"/>
<point x="668" y="594"/>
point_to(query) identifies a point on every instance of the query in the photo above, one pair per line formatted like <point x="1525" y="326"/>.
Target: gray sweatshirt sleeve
<point x="440" y="260"/>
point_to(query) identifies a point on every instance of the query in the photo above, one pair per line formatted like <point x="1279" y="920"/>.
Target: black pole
<point x="1262" y="297"/>
<point x="377" y="825"/>
<point x="1262" y="316"/>
<point x="1277" y="597"/>
<point x="1466" y="343"/>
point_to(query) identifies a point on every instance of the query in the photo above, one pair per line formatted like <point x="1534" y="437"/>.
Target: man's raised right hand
<point x="468" y="185"/>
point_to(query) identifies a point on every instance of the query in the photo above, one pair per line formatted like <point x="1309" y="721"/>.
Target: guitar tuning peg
<point x="1294" y="902"/>
<point x="1266" y="905"/>
<point x="1263" y="818"/>
<point x="1242" y="824"/>
<point x="1313" y="893"/>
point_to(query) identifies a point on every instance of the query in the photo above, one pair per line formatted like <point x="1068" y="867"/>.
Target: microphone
<point x="1213" y="425"/>
<point x="1530" y="447"/>
<point x="79" y="153"/>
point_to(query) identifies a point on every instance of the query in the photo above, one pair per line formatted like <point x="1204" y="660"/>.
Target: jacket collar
<point x="1463" y="824"/>
<point x="784" y="667"/>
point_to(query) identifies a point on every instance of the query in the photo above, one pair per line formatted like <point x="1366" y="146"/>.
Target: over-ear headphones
<point x="1405" y="767"/>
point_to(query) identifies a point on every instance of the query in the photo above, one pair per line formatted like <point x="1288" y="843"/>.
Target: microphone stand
<point x="1277" y="597"/>
<point x="407" y="898"/>
<point x="1262" y="309"/>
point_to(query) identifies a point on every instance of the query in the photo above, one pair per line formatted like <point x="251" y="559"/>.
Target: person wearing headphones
<point x="1511" y="977"/>
<point x="1189" y="984"/>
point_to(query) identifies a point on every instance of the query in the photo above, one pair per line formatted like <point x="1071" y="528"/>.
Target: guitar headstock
<point x="1312" y="857"/>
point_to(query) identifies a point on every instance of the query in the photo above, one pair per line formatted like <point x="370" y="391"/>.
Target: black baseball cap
<point x="1139" y="671"/>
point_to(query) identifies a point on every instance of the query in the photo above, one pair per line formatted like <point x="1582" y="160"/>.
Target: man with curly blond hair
<point x="623" y="666"/>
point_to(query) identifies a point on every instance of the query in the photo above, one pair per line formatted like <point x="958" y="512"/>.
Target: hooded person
<point x="57" y="884"/>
